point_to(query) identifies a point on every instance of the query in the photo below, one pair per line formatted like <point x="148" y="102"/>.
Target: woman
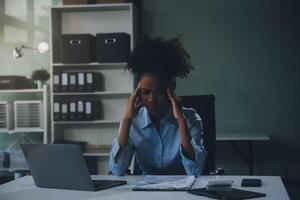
<point x="165" y="137"/>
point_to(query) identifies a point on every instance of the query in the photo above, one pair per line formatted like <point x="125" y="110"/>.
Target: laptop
<point x="62" y="166"/>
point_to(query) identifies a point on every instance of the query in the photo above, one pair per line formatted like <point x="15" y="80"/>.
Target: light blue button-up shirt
<point x="160" y="152"/>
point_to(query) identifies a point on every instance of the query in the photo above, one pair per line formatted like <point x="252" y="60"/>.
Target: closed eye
<point x="145" y="92"/>
<point x="160" y="92"/>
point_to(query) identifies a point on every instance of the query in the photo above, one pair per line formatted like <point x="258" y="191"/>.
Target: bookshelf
<point x="117" y="83"/>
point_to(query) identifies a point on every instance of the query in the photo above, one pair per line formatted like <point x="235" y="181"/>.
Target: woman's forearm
<point x="186" y="139"/>
<point x="123" y="135"/>
<point x="130" y="112"/>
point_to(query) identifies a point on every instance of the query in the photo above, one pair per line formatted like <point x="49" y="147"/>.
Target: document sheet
<point x="165" y="183"/>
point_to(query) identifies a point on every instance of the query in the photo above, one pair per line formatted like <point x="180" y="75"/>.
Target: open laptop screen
<point x="60" y="166"/>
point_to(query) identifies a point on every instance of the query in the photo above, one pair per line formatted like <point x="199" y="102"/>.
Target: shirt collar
<point x="144" y="118"/>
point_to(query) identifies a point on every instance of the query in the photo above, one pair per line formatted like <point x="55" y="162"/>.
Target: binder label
<point x="56" y="79"/>
<point x="64" y="108"/>
<point x="80" y="106"/>
<point x="72" y="107"/>
<point x="80" y="78"/>
<point x="72" y="79"/>
<point x="89" y="78"/>
<point x="64" y="77"/>
<point x="56" y="108"/>
<point x="88" y="107"/>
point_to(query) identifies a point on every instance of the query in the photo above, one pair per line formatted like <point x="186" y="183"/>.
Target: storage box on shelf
<point x="28" y="115"/>
<point x="78" y="48"/>
<point x="89" y="93"/>
<point x="112" y="47"/>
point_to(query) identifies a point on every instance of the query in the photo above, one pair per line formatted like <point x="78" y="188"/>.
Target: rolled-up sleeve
<point x="195" y="167"/>
<point x="119" y="167"/>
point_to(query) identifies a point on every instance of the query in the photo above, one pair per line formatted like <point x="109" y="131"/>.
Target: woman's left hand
<point x="176" y="105"/>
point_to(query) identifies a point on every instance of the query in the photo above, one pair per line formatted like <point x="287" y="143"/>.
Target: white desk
<point x="24" y="188"/>
<point x="248" y="137"/>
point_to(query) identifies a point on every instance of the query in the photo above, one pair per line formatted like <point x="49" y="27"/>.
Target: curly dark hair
<point x="167" y="58"/>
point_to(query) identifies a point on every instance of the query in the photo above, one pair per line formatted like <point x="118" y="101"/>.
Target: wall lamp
<point x="43" y="47"/>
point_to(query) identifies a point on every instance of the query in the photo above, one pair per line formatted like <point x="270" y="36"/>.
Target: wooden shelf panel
<point x="89" y="8"/>
<point x="93" y="93"/>
<point x="22" y="131"/>
<point x="90" y="64"/>
<point x="22" y="91"/>
<point x="88" y="122"/>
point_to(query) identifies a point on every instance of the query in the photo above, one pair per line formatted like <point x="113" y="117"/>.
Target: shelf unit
<point x="118" y="83"/>
<point x="43" y="123"/>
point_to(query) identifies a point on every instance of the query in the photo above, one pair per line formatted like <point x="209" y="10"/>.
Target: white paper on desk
<point x="204" y="182"/>
<point x="165" y="182"/>
<point x="199" y="183"/>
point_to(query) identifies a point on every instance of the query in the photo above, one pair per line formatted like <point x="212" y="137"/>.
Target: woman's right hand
<point x="133" y="107"/>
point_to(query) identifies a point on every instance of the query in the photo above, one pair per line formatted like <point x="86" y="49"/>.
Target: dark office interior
<point x="244" y="52"/>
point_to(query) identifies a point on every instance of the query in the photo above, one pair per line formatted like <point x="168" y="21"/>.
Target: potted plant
<point x="40" y="76"/>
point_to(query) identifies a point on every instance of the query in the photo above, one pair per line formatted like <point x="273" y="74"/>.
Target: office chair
<point x="205" y="107"/>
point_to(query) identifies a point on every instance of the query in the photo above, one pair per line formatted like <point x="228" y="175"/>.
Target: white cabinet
<point x="117" y="82"/>
<point x="24" y="111"/>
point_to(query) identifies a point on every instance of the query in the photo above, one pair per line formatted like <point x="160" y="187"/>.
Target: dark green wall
<point x="247" y="54"/>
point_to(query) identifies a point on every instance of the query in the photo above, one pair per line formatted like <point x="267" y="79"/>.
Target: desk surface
<point x="24" y="188"/>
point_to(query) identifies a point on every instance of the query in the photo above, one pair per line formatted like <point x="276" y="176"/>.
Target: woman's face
<point x="154" y="94"/>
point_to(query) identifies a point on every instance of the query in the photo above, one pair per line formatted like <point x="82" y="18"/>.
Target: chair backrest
<point x="205" y="107"/>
